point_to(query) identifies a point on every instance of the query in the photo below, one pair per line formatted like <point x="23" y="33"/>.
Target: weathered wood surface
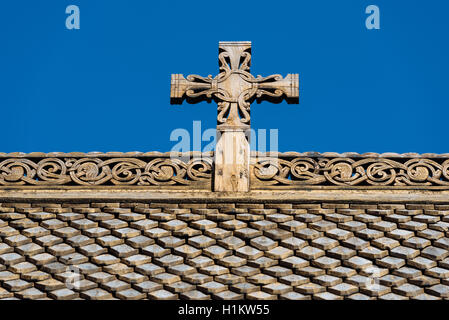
<point x="98" y="194"/>
<point x="234" y="88"/>
<point x="194" y="170"/>
<point x="189" y="170"/>
<point x="232" y="162"/>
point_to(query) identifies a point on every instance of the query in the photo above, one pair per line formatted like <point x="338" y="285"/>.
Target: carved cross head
<point x="234" y="88"/>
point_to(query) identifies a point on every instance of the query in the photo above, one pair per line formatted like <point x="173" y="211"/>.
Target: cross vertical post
<point x="233" y="89"/>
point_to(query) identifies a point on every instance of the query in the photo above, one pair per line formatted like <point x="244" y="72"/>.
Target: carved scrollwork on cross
<point x="234" y="87"/>
<point x="351" y="172"/>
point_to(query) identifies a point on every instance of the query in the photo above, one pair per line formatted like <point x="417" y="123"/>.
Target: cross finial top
<point x="234" y="88"/>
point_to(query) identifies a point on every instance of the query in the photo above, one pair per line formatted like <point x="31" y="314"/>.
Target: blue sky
<point x="106" y="87"/>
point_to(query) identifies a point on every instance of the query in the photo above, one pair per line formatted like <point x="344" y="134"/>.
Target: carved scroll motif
<point x="266" y="171"/>
<point x="234" y="87"/>
<point x="352" y="172"/>
<point x="96" y="171"/>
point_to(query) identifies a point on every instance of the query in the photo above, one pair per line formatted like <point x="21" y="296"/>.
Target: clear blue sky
<point x="106" y="87"/>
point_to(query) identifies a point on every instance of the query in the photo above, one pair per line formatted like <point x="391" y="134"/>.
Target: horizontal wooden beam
<point x="74" y="194"/>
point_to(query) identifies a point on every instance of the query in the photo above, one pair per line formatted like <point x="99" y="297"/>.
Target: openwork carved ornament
<point x="91" y="171"/>
<point x="303" y="171"/>
<point x="234" y="87"/>
<point x="195" y="170"/>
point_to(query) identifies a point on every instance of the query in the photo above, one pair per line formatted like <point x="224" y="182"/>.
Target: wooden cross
<point x="234" y="89"/>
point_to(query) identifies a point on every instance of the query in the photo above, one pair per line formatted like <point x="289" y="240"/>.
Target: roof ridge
<point x="313" y="154"/>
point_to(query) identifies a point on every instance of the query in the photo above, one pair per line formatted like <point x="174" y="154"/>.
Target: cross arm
<point x="193" y="86"/>
<point x="277" y="86"/>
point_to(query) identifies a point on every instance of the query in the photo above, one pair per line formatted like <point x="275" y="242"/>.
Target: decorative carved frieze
<point x="94" y="171"/>
<point x="194" y="170"/>
<point x="349" y="171"/>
